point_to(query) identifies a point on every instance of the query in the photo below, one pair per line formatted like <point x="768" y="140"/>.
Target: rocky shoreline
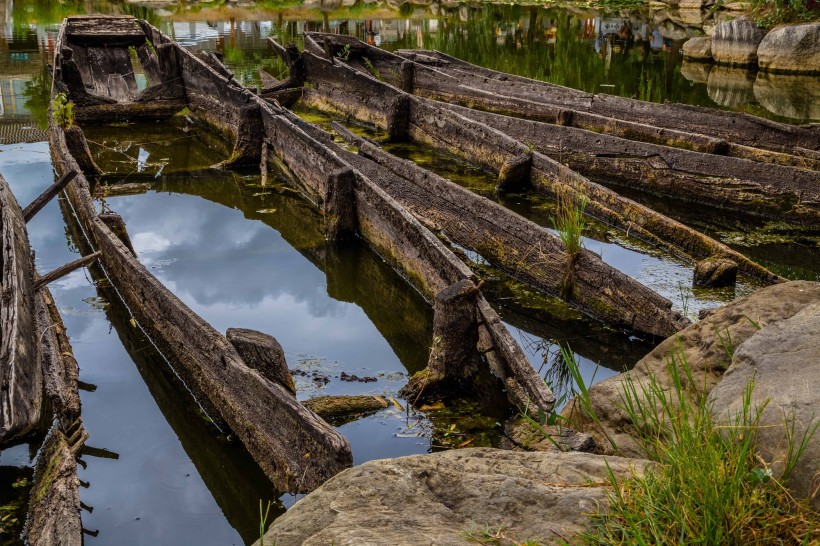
<point x="546" y="496"/>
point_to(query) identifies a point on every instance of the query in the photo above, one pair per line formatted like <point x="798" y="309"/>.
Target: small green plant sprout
<point x="263" y="522"/>
<point x="569" y="219"/>
<point x="344" y="53"/>
<point x="62" y="111"/>
<point x="373" y="70"/>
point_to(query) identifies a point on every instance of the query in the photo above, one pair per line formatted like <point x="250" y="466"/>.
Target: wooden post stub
<point x="408" y="73"/>
<point x="454" y="358"/>
<point x="340" y="205"/>
<point x="44" y="198"/>
<point x="398" y="118"/>
<point x="247" y="149"/>
<point x="116" y="224"/>
<point x="264" y="354"/>
<point x="515" y="173"/>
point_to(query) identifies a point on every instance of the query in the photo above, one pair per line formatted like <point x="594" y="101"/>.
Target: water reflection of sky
<point x="153" y="493"/>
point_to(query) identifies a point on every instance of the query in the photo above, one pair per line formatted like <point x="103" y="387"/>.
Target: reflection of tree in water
<point x="50" y="12"/>
<point x="37" y="93"/>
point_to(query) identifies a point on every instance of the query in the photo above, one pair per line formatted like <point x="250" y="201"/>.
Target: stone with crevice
<point x="704" y="346"/>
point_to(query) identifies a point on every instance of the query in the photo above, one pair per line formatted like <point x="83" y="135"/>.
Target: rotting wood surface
<point x="439" y="76"/>
<point x="517" y="246"/>
<point x="40" y="383"/>
<point x="21" y="400"/>
<point x="292" y="445"/>
<point x="315" y="164"/>
<point x="337" y="87"/>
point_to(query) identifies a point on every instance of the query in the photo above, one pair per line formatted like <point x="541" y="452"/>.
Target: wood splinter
<point x="52" y="276"/>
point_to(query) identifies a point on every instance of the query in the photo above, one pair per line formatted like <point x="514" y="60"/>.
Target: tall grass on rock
<point x="710" y="486"/>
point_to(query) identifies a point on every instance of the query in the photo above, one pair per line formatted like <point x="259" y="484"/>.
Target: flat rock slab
<point x="444" y="498"/>
<point x="782" y="361"/>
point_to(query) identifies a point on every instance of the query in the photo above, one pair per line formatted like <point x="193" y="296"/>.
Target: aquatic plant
<point x="62" y="111"/>
<point x="569" y="220"/>
<point x="263" y="522"/>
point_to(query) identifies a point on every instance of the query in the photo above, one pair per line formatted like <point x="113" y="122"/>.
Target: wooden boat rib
<point x="439" y="76"/>
<point x="337" y="87"/>
<point x="293" y="446"/>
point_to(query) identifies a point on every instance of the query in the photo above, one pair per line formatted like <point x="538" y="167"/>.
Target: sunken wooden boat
<point x="295" y="448"/>
<point x="442" y="77"/>
<point x="778" y="191"/>
<point x="39" y="375"/>
<point x="341" y="88"/>
<point x="291" y="444"/>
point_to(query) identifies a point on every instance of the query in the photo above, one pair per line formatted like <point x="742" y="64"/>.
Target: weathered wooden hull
<point x="439" y="76"/>
<point x="294" y="447"/>
<point x="21" y="398"/>
<point x="40" y="383"/>
<point x="340" y="88"/>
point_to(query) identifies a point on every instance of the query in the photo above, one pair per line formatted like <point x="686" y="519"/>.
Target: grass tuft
<point x="570" y="221"/>
<point x="711" y="486"/>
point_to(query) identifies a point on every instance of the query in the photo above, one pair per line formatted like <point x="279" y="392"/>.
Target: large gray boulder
<point x="444" y="498"/>
<point x="783" y="361"/>
<point x="698" y="48"/>
<point x="703" y="345"/>
<point x="735" y="42"/>
<point x="791" y="49"/>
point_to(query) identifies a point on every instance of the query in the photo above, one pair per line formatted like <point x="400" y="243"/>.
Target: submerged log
<point x="342" y="409"/>
<point x="337" y="87"/>
<point x="291" y="444"/>
<point x="21" y="399"/>
<point x="519" y="247"/>
<point x="441" y="77"/>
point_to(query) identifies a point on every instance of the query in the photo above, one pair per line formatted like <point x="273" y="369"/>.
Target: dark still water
<point x="244" y="254"/>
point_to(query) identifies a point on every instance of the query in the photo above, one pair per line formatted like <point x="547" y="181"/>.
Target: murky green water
<point x="245" y="255"/>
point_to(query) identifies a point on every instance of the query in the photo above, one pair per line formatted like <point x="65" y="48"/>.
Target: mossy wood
<point x="439" y="76"/>
<point x="293" y="446"/>
<point x="521" y="248"/>
<point x="337" y="87"/>
<point x="313" y="161"/>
